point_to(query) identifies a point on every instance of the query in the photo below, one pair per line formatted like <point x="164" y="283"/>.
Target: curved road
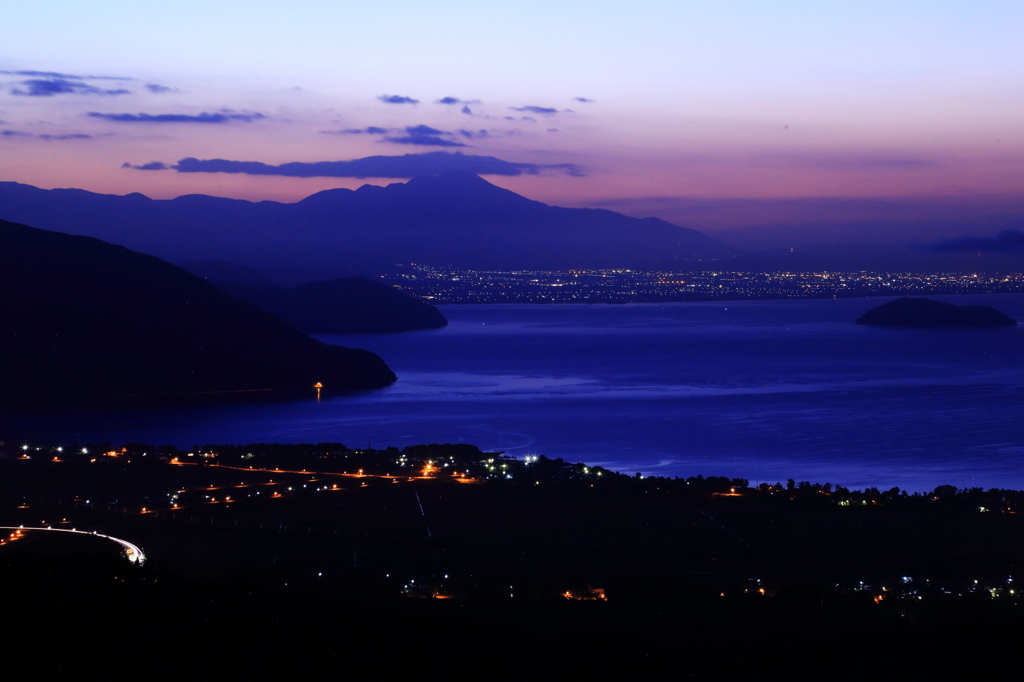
<point x="133" y="552"/>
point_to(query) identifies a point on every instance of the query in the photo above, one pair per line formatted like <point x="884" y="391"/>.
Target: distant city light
<point x="441" y="285"/>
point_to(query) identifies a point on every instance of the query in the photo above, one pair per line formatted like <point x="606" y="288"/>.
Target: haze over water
<point x="765" y="390"/>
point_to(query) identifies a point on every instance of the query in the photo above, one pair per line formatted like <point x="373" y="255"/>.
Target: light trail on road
<point x="131" y="551"/>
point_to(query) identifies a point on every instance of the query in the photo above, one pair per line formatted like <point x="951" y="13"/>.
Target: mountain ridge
<point x="454" y="218"/>
<point x="349" y="305"/>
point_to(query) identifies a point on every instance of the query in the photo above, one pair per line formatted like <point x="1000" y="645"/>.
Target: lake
<point x="764" y="390"/>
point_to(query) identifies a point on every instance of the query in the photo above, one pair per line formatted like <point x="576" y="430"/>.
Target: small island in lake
<point x="924" y="312"/>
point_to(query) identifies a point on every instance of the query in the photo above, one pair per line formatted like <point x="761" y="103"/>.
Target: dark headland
<point x="85" y="320"/>
<point x="350" y="305"/>
<point x="924" y="312"/>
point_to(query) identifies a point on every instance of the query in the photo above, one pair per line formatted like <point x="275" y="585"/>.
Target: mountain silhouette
<point x="350" y="305"/>
<point x="455" y="218"/>
<point x="84" y="320"/>
<point x="224" y="271"/>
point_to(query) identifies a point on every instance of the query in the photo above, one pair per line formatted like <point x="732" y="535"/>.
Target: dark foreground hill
<point x="456" y="219"/>
<point x="86" y="320"/>
<point x="924" y="312"/>
<point x="225" y="271"/>
<point x="526" y="566"/>
<point x="351" y="305"/>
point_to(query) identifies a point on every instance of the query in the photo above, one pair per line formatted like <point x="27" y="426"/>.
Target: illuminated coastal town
<point x="457" y="543"/>
<point x="400" y="508"/>
<point x="447" y="285"/>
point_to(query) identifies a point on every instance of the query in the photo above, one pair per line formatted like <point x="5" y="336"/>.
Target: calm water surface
<point x="765" y="390"/>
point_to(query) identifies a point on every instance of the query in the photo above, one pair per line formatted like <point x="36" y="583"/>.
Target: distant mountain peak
<point x="464" y="187"/>
<point x="451" y="178"/>
<point x="454" y="190"/>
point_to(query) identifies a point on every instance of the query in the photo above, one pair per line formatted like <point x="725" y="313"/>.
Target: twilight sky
<point x="650" y="108"/>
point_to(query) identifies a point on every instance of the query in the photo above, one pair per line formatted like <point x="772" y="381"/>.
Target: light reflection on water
<point x="765" y="390"/>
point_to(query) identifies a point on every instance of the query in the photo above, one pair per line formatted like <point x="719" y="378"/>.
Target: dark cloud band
<point x="422" y="135"/>
<point x="406" y="166"/>
<point x="456" y="100"/>
<point x="177" y="118"/>
<point x="69" y="136"/>
<point x="424" y="140"/>
<point x="397" y="99"/>
<point x="55" y="74"/>
<point x="425" y="136"/>
<point x="48" y="87"/>
<point x="152" y="165"/>
<point x="535" y="109"/>
<point x="369" y="130"/>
